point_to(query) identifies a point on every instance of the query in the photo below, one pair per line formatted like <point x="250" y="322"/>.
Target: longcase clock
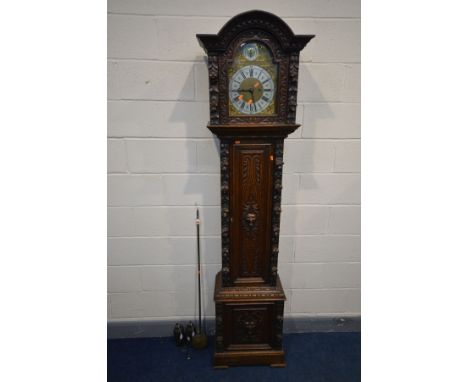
<point x="253" y="65"/>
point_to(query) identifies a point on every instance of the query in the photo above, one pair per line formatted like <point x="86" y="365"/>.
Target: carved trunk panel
<point x="252" y="170"/>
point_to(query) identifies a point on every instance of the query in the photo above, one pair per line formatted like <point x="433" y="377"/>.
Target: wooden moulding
<point x="248" y="294"/>
<point x="266" y="130"/>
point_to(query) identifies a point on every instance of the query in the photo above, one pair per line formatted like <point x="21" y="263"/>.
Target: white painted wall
<point x="162" y="159"/>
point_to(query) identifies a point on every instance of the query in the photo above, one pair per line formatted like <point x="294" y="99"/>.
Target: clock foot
<point x="278" y="364"/>
<point x="221" y="366"/>
<point x="273" y="358"/>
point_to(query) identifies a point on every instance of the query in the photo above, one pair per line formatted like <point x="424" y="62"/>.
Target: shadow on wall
<point x="304" y="155"/>
<point x="307" y="153"/>
<point x="201" y="187"/>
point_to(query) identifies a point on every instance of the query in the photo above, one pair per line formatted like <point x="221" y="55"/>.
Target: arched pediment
<point x="255" y="19"/>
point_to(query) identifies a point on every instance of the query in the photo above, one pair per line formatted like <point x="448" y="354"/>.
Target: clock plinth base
<point x="249" y="325"/>
<point x="261" y="357"/>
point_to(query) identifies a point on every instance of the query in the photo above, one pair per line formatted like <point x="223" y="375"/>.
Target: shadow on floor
<point x="315" y="357"/>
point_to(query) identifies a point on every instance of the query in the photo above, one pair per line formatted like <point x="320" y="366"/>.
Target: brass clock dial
<point x="251" y="90"/>
<point x="252" y="81"/>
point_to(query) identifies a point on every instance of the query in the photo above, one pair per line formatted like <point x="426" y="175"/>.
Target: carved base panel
<point x="249" y="325"/>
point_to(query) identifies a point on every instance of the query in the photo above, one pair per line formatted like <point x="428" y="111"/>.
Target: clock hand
<point x="252" y="100"/>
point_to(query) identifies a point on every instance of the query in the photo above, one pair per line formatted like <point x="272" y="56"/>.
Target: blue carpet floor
<point x="315" y="357"/>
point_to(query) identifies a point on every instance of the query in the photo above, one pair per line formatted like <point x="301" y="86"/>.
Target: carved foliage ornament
<point x="225" y="213"/>
<point x="276" y="216"/>
<point x="251" y="180"/>
<point x="219" y="327"/>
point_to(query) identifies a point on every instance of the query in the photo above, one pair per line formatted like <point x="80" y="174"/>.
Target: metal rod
<point x="198" y="257"/>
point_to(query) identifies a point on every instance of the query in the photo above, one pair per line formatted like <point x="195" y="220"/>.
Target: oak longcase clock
<point x="253" y="65"/>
